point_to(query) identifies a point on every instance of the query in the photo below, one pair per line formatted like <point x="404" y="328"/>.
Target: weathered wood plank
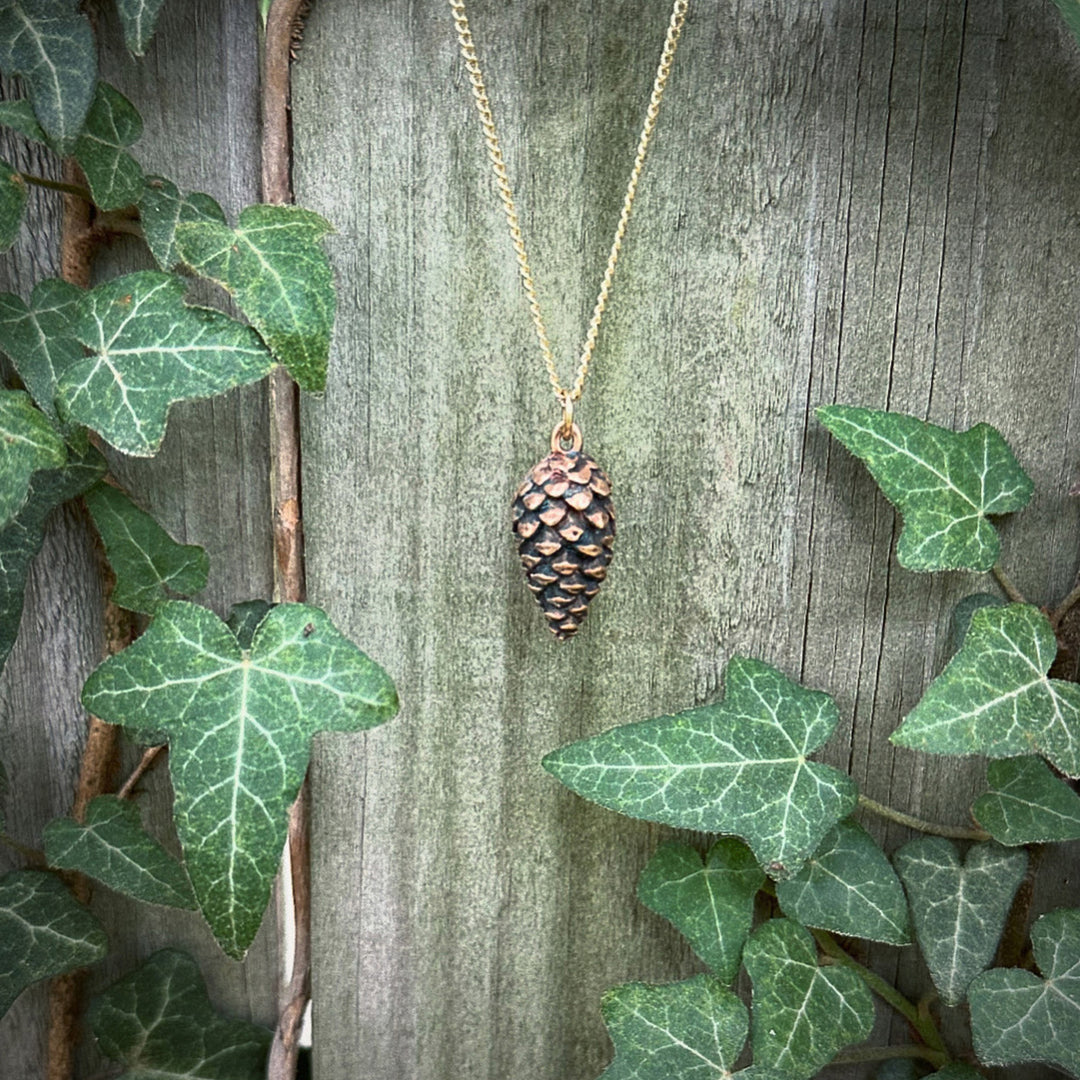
<point x="857" y="202"/>
<point x="197" y="92"/>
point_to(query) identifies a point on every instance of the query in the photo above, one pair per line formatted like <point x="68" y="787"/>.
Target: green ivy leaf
<point x="994" y="698"/>
<point x="21" y="538"/>
<point x="848" y="887"/>
<point x="150" y="566"/>
<point x="711" y="902"/>
<point x="28" y="442"/>
<point x="804" y="1015"/>
<point x="151" y="349"/>
<point x="162" y="207"/>
<point x="18" y="114"/>
<point x="274" y="265"/>
<point x="959" y="1071"/>
<point x="113" y="848"/>
<point x="39" y="339"/>
<point x="159" y="1022"/>
<point x="960" y="621"/>
<point x="738" y="767"/>
<point x="1028" y="804"/>
<point x="959" y="910"/>
<point x="239" y="724"/>
<point x="1018" y="1017"/>
<point x="50" y="44"/>
<point x="115" y="178"/>
<point x="3" y="796"/>
<point x="44" y="931"/>
<point x="139" y="19"/>
<point x="1070" y="12"/>
<point x="943" y="483"/>
<point x="244" y="619"/>
<point x="12" y="204"/>
<point x="693" y="1030"/>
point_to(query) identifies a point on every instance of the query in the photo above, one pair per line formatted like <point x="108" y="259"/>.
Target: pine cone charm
<point x="565" y="526"/>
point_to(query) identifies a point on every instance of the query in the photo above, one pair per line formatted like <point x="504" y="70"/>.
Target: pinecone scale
<point x="565" y="528"/>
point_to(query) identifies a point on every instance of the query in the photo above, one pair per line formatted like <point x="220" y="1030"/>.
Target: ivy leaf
<point x="39" y="339"/>
<point x="159" y="1022"/>
<point x="994" y="698"/>
<point x="1018" y="1017"/>
<point x="274" y="265"/>
<point x="28" y="443"/>
<point x="151" y="349"/>
<point x="848" y="887"/>
<point x="804" y="1015"/>
<point x="943" y="483"/>
<point x="1028" y="804"/>
<point x="960" y="621"/>
<point x="139" y="19"/>
<point x="113" y="848"/>
<point x="162" y="207"/>
<point x="150" y="566"/>
<point x="693" y="1030"/>
<point x="710" y="901"/>
<point x="3" y="795"/>
<point x="959" y="910"/>
<point x="12" y="204"/>
<point x="958" y="1071"/>
<point x="21" y="538"/>
<point x="44" y="931"/>
<point x="239" y="725"/>
<point x="18" y="114"/>
<point x="115" y="178"/>
<point x="737" y="767"/>
<point x="50" y="44"/>
<point x="1070" y="12"/>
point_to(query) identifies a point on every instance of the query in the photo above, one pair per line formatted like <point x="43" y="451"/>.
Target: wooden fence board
<point x="871" y="203"/>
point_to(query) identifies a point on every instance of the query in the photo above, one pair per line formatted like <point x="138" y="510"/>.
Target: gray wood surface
<point x="869" y="203"/>
<point x="197" y="91"/>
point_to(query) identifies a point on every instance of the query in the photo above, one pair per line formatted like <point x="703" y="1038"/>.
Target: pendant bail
<point x="570" y="441"/>
<point x="566" y="428"/>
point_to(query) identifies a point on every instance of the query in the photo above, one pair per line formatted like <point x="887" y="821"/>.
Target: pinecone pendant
<point x="565" y="527"/>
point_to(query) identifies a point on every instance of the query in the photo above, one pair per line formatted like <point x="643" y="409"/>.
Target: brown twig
<point x="1065" y="606"/>
<point x="96" y="767"/>
<point x="99" y="751"/>
<point x="285" y="1049"/>
<point x="281" y="26"/>
<point x="149" y="759"/>
<point x="76" y="246"/>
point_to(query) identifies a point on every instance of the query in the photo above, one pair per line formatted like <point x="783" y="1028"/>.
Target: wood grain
<point x="868" y="203"/>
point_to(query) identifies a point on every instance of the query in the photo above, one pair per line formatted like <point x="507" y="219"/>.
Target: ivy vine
<point x="741" y="767"/>
<point x="95" y="371"/>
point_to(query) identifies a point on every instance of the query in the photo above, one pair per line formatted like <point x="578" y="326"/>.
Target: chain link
<point x="565" y="396"/>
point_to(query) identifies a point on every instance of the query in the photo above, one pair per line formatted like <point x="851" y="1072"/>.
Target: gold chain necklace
<point x="562" y="513"/>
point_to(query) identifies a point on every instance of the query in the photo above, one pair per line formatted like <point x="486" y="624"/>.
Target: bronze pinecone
<point x="565" y="525"/>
